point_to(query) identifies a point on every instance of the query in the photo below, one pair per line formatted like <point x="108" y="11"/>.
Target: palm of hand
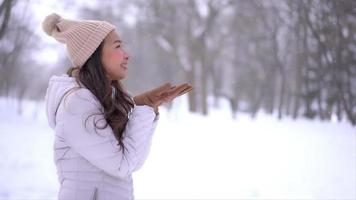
<point x="163" y="94"/>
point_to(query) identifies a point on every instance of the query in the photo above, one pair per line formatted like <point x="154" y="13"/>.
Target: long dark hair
<point x="116" y="103"/>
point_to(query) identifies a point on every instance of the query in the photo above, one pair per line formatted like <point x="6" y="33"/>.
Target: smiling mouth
<point x="124" y="65"/>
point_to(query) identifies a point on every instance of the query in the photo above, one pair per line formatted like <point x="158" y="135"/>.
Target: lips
<point x="124" y="65"/>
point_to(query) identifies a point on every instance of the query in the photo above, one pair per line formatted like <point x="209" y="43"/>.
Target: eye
<point x="118" y="46"/>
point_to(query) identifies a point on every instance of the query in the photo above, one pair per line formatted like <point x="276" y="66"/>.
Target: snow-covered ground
<point x="193" y="156"/>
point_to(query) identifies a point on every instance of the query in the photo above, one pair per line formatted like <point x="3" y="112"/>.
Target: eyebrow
<point x="119" y="41"/>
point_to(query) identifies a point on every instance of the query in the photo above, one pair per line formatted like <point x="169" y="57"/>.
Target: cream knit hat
<point x="81" y="37"/>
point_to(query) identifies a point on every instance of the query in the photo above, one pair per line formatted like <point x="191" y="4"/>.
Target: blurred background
<point x="272" y="114"/>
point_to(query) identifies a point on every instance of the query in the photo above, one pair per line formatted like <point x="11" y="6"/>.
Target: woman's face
<point x="114" y="57"/>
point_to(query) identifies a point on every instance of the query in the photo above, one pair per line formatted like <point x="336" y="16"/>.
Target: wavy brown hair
<point x="116" y="103"/>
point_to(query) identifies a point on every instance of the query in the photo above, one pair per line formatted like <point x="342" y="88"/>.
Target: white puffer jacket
<point x="90" y="165"/>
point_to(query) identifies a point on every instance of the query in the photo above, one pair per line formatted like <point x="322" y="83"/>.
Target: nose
<point x="126" y="56"/>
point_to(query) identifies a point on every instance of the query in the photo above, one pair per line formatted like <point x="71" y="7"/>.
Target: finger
<point x="169" y="92"/>
<point x="175" y="90"/>
<point x="171" y="89"/>
<point x="188" y="89"/>
<point x="171" y="97"/>
<point x="162" y="88"/>
<point x="179" y="90"/>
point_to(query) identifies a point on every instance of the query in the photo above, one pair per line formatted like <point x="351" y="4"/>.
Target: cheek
<point x="112" y="60"/>
<point x="108" y="61"/>
<point x="116" y="55"/>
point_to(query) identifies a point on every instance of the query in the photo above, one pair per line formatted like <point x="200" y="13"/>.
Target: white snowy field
<point x="196" y="157"/>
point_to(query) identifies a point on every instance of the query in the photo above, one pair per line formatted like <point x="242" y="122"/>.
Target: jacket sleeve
<point x="80" y="112"/>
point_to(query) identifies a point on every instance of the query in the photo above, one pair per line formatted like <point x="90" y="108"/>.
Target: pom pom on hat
<point x="81" y="37"/>
<point x="50" y="23"/>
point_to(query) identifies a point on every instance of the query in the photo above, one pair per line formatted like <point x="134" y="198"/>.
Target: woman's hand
<point x="162" y="94"/>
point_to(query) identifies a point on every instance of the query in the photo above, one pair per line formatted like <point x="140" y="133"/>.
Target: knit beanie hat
<point x="81" y="37"/>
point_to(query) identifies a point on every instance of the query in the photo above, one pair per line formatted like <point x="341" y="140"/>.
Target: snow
<point x="193" y="156"/>
<point x="163" y="43"/>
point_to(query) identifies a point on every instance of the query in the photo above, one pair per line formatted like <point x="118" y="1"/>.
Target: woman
<point x="102" y="134"/>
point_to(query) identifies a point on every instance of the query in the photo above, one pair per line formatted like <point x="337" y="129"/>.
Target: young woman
<point x="102" y="134"/>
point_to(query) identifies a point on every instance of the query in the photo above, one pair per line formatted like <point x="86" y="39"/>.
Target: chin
<point x="120" y="78"/>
